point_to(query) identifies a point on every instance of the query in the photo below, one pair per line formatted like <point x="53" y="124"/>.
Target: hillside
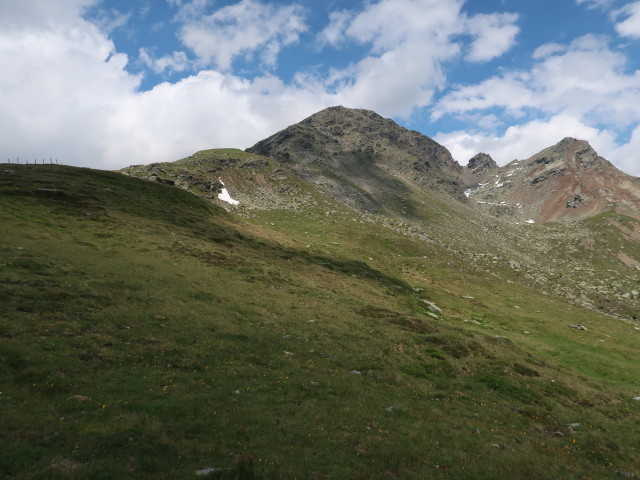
<point x="355" y="164"/>
<point x="147" y="332"/>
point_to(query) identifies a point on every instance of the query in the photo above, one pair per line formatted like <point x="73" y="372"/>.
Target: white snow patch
<point x="531" y="221"/>
<point x="467" y="192"/>
<point x="225" y="197"/>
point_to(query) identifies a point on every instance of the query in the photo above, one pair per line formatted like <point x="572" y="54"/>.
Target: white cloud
<point x="109" y="19"/>
<point x="174" y="62"/>
<point x="60" y="79"/>
<point x="65" y="94"/>
<point x="585" y="78"/>
<point x="630" y="27"/>
<point x="626" y="156"/>
<point x="34" y="14"/>
<point x="495" y="34"/>
<point x="548" y="49"/>
<point x="208" y="110"/>
<point x="593" y="4"/>
<point x="334" y="33"/>
<point x="408" y="50"/>
<point x="245" y="29"/>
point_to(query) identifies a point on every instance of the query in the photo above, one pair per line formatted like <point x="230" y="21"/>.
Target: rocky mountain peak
<point x="571" y="152"/>
<point x="356" y="153"/>
<point x="481" y="162"/>
<point x="567" y="181"/>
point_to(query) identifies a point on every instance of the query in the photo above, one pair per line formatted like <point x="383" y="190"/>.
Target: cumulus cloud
<point x="626" y="156"/>
<point x="66" y="94"/>
<point x="245" y="29"/>
<point x="495" y="34"/>
<point x="334" y="33"/>
<point x="34" y="14"/>
<point x="173" y="62"/>
<point x="585" y="78"/>
<point x="60" y="79"/>
<point x="630" y="26"/>
<point x="593" y="4"/>
<point x="408" y="50"/>
<point x="208" y="109"/>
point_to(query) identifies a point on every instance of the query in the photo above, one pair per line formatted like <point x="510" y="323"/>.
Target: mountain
<point x="566" y="182"/>
<point x="355" y="164"/>
<point x="363" y="159"/>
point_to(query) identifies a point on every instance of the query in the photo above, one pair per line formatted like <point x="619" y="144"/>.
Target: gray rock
<point x="432" y="306"/>
<point x="579" y="326"/>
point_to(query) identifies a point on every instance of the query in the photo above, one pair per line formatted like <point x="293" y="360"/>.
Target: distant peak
<point x="341" y="111"/>
<point x="573" y="144"/>
<point x="481" y="162"/>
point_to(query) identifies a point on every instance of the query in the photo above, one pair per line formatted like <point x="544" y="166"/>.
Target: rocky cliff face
<point x="355" y="155"/>
<point x="568" y="181"/>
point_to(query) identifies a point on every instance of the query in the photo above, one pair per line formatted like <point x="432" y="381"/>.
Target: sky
<point x="110" y="83"/>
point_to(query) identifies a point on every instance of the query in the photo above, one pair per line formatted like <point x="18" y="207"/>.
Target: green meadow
<point x="147" y="333"/>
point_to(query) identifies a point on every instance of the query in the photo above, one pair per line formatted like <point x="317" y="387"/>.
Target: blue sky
<point x="108" y="83"/>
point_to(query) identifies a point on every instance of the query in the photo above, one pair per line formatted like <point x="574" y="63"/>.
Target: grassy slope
<point x="146" y="333"/>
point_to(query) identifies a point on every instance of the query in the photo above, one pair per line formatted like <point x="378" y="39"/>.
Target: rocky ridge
<point x="566" y="182"/>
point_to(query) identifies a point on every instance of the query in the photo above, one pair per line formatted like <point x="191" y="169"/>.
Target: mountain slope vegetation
<point x="147" y="332"/>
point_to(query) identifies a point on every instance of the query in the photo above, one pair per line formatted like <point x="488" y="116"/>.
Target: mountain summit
<point x="359" y="155"/>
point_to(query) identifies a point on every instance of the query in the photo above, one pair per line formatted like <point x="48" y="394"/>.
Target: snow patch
<point x="531" y="221"/>
<point x="225" y="197"/>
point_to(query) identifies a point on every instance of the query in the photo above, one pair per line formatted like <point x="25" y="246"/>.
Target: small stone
<point x="625" y="474"/>
<point x="432" y="306"/>
<point x="208" y="470"/>
<point x="287" y="353"/>
<point x="79" y="398"/>
<point x="579" y="326"/>
<point x="356" y="372"/>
